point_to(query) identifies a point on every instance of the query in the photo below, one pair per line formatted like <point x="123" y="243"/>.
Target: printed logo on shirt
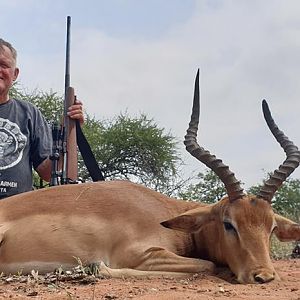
<point x="7" y="184"/>
<point x="12" y="144"/>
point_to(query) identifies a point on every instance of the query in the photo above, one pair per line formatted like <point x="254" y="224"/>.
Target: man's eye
<point x="228" y="226"/>
<point x="3" y="66"/>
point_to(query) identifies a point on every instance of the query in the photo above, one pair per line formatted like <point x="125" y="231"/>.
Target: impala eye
<point x="228" y="226"/>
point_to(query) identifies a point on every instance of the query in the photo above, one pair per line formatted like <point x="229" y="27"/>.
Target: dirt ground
<point x="221" y="286"/>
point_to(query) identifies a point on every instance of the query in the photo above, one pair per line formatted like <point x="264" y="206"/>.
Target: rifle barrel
<point x="68" y="42"/>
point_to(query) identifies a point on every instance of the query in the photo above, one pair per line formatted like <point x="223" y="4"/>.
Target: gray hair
<point x="10" y="47"/>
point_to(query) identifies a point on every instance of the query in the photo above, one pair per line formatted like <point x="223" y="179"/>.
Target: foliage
<point x="209" y="189"/>
<point x="134" y="149"/>
<point x="280" y="250"/>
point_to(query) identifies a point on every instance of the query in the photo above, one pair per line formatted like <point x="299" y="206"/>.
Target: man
<point x="25" y="136"/>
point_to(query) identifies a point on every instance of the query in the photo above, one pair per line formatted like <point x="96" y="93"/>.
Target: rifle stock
<point x="72" y="157"/>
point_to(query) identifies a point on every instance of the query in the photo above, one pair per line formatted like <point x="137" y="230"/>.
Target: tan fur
<point x="117" y="224"/>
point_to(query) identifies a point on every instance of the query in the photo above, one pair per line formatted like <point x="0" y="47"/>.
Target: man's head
<point x="8" y="70"/>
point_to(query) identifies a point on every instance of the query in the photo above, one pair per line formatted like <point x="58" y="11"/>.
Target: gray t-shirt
<point x="25" y="141"/>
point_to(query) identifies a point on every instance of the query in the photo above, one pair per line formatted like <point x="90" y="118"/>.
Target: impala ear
<point x="286" y="229"/>
<point x="191" y="220"/>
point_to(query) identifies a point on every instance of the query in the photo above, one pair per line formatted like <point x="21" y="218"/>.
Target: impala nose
<point x="264" y="277"/>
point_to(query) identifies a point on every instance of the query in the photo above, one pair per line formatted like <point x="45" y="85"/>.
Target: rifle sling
<point x="87" y="155"/>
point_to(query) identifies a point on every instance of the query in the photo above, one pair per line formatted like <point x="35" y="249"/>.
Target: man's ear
<point x="286" y="229"/>
<point x="191" y="220"/>
<point x="16" y="73"/>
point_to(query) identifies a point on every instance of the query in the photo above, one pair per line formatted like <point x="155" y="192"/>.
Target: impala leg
<point x="126" y="272"/>
<point x="160" y="259"/>
<point x="159" y="262"/>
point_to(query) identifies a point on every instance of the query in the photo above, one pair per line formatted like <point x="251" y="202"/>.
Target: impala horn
<point x="232" y="185"/>
<point x="288" y="166"/>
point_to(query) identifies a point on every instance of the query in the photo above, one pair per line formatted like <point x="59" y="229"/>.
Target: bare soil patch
<point x="221" y="286"/>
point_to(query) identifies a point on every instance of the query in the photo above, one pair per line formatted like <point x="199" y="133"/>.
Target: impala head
<point x="236" y="231"/>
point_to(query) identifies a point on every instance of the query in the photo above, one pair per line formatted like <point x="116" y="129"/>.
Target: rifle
<point x="64" y="140"/>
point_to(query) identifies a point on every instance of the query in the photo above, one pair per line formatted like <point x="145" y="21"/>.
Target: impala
<point x="131" y="230"/>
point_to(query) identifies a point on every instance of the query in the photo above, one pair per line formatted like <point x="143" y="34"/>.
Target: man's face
<point x="8" y="72"/>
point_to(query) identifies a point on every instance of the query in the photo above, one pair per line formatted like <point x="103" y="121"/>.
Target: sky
<point x="141" y="56"/>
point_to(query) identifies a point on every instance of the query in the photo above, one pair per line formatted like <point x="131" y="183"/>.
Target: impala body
<point x="134" y="231"/>
<point x="118" y="223"/>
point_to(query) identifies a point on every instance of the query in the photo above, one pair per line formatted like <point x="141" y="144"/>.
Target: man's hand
<point x="75" y="112"/>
